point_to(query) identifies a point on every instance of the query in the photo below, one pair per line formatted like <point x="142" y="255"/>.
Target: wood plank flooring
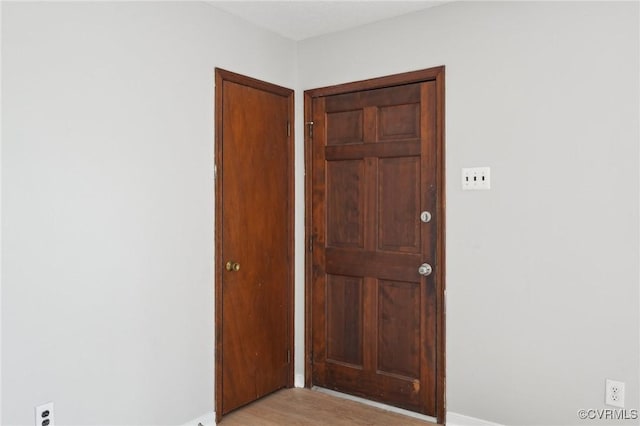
<point x="311" y="408"/>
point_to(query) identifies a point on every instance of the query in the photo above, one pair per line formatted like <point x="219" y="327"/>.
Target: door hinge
<point x="215" y="172"/>
<point x="310" y="124"/>
<point x="288" y="128"/>
<point x="311" y="243"/>
<point x="288" y="356"/>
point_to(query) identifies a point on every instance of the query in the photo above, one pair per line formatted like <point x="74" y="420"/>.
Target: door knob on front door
<point x="425" y="269"/>
<point x="232" y="266"/>
<point x="425" y="216"/>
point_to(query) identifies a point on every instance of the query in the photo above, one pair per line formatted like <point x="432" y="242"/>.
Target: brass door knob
<point x="232" y="266"/>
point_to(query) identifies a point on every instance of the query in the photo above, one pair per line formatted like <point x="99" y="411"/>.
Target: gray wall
<point x="107" y="200"/>
<point x="107" y="194"/>
<point x="542" y="270"/>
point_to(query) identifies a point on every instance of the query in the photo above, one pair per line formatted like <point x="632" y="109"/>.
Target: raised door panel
<point x="399" y="329"/>
<point x="399" y="204"/>
<point x="344" y="319"/>
<point x="345" y="203"/>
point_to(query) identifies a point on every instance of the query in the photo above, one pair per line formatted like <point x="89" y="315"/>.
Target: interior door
<point x="377" y="242"/>
<point x="254" y="240"/>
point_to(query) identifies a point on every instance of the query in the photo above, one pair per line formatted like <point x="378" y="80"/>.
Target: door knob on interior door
<point x="232" y="266"/>
<point x="425" y="269"/>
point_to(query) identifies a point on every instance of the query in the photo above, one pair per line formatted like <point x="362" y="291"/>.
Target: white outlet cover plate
<point x="41" y="409"/>
<point x="614" y="393"/>
<point x="476" y="178"/>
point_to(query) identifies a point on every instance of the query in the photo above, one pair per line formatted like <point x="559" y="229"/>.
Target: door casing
<point x="432" y="74"/>
<point x="220" y="77"/>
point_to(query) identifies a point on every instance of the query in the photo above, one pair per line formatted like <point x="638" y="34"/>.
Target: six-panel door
<point x="374" y="315"/>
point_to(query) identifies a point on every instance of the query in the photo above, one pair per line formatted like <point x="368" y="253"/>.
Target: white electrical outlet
<point x="476" y="178"/>
<point x="614" y="393"/>
<point x="44" y="415"/>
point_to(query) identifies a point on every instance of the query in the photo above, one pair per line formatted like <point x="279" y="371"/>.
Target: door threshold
<point x="376" y="404"/>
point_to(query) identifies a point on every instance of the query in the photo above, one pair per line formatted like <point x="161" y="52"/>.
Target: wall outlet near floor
<point x="614" y="393"/>
<point x="476" y="178"/>
<point x="44" y="415"/>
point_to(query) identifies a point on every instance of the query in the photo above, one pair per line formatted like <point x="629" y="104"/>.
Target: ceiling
<point x="298" y="20"/>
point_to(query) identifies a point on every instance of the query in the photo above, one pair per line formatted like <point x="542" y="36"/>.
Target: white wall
<point x="542" y="271"/>
<point x="107" y="193"/>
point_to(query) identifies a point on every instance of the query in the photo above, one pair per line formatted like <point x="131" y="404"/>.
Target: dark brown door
<point x="254" y="256"/>
<point x="375" y="319"/>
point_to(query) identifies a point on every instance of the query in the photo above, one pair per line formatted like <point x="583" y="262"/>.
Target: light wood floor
<point x="311" y="408"/>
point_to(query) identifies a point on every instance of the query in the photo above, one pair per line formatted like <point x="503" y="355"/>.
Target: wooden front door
<point x="376" y="164"/>
<point x="254" y="240"/>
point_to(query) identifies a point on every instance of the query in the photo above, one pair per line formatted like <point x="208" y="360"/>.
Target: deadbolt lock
<point x="232" y="266"/>
<point x="425" y="216"/>
<point x="425" y="269"/>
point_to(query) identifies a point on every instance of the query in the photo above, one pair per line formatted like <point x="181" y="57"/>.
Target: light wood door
<point x="254" y="240"/>
<point x="375" y="318"/>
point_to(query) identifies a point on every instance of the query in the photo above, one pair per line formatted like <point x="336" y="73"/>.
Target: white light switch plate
<point x="476" y="178"/>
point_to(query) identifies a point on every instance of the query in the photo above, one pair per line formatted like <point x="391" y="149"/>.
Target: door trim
<point x="221" y="76"/>
<point x="431" y="74"/>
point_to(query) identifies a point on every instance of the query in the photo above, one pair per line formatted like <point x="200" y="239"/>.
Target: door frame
<point x="431" y="74"/>
<point x="221" y="76"/>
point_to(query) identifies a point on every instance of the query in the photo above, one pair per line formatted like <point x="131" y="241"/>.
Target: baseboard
<point x="208" y="419"/>
<point x="455" y="419"/>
